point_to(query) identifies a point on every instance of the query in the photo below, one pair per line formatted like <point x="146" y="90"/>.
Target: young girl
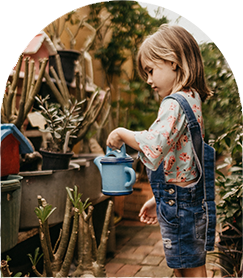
<point x="173" y="152"/>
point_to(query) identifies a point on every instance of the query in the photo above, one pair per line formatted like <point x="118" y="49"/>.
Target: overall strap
<point x="206" y="170"/>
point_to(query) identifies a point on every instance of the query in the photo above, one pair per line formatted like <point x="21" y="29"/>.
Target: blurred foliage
<point x="142" y="106"/>
<point x="130" y="24"/>
<point x="223" y="127"/>
<point x="222" y="111"/>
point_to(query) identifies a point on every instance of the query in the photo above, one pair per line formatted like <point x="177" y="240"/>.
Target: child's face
<point x="161" y="76"/>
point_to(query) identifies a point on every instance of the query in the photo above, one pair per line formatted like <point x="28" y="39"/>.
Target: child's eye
<point x="150" y="71"/>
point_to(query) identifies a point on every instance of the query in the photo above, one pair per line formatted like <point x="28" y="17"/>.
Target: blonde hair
<point x="175" y="44"/>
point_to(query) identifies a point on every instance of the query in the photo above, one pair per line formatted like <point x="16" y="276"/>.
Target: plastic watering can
<point x="116" y="172"/>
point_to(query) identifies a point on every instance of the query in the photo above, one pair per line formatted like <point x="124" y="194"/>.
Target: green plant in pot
<point x="62" y="124"/>
<point x="67" y="125"/>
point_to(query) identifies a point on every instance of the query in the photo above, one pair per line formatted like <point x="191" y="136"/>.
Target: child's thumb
<point x="142" y="211"/>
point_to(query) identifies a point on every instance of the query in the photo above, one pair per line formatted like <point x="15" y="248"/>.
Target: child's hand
<point x="114" y="140"/>
<point x="119" y="136"/>
<point x="148" y="212"/>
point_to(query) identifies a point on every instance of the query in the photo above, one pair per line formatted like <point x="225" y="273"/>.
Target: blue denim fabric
<point x="187" y="215"/>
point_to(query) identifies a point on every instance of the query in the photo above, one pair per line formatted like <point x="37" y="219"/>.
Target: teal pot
<point x="51" y="185"/>
<point x="68" y="58"/>
<point x="10" y="211"/>
<point x="55" y="160"/>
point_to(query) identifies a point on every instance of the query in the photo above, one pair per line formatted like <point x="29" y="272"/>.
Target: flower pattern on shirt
<point x="168" y="140"/>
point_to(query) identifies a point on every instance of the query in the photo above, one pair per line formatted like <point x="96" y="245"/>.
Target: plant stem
<point x="65" y="230"/>
<point x="13" y="87"/>
<point x="20" y="118"/>
<point x="31" y="99"/>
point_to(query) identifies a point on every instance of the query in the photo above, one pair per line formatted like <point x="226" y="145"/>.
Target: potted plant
<point x="68" y="124"/>
<point x="62" y="124"/>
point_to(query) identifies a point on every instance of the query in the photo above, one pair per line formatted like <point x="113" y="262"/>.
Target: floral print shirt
<point x="168" y="140"/>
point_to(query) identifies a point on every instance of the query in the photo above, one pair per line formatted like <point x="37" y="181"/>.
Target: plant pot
<point x="55" y="160"/>
<point x="51" y="185"/>
<point x="68" y="58"/>
<point x="10" y="211"/>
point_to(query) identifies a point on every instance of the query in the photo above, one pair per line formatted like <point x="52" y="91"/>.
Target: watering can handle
<point x="121" y="153"/>
<point x="132" y="173"/>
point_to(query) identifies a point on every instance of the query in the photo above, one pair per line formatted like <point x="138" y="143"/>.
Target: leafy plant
<point x="229" y="185"/>
<point x="75" y="197"/>
<point x="230" y="261"/>
<point x="43" y="213"/>
<point x="62" y="123"/>
<point x="229" y="208"/>
<point x="36" y="258"/>
<point x="223" y="110"/>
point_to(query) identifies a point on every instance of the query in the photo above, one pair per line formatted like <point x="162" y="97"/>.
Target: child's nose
<point x="149" y="80"/>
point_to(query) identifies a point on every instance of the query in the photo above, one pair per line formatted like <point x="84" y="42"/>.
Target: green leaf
<point x="70" y="194"/>
<point x="18" y="274"/>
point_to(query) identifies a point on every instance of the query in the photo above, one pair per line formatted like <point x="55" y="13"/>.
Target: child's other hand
<point x="148" y="212"/>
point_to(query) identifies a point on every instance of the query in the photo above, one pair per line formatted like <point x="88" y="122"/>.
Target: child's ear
<point x="174" y="65"/>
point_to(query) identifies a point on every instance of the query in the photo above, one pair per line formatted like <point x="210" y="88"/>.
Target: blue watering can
<point x="116" y="172"/>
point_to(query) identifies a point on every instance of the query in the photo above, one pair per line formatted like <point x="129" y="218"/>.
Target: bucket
<point x="10" y="211"/>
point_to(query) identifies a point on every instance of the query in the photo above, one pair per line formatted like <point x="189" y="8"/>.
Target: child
<point x="173" y="150"/>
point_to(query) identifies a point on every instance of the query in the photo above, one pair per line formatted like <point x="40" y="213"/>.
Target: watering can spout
<point x="98" y="164"/>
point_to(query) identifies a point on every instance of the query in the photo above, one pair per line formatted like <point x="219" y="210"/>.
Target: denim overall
<point x="187" y="215"/>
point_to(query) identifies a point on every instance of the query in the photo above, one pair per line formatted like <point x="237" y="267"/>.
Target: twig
<point x="66" y="95"/>
<point x="20" y="116"/>
<point x="31" y="78"/>
<point x="13" y="87"/>
<point x="66" y="227"/>
<point x="58" y="81"/>
<point x="36" y="89"/>
<point x="104" y="237"/>
<point x="55" y="91"/>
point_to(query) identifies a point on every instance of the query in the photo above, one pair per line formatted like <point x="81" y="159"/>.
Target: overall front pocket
<point x="167" y="210"/>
